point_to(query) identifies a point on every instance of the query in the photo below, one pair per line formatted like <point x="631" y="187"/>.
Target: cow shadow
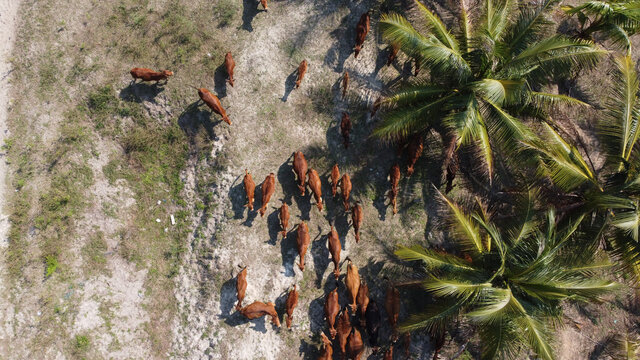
<point x="220" y="81"/>
<point x="273" y="224"/>
<point x="289" y="84"/>
<point x="286" y="179"/>
<point x="308" y="351"/>
<point x="288" y="253"/>
<point x="238" y="199"/>
<point x="341" y="49"/>
<point x="249" y="11"/>
<point x="141" y="91"/>
<point x="193" y="118"/>
<point x="316" y="315"/>
<point x="320" y="254"/>
<point x="228" y="299"/>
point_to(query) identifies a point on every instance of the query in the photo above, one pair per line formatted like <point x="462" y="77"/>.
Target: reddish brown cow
<point x="415" y="150"/>
<point x="392" y="306"/>
<point x="149" y="75"/>
<point x="345" y="83"/>
<point x="376" y="106"/>
<point x="356" y="219"/>
<point x="363" y="301"/>
<point x="303" y="242"/>
<point x="361" y="32"/>
<point x="249" y="188"/>
<point x="264" y="4"/>
<point x="345" y="129"/>
<point x="344" y="329"/>
<point x="316" y="187"/>
<point x="335" y="177"/>
<point x="259" y="309"/>
<point x="300" y="169"/>
<point x="229" y="64"/>
<point x="388" y="355"/>
<point x="352" y="281"/>
<point x="331" y="309"/>
<point x="335" y="248"/>
<point x="292" y="302"/>
<point x="393" y="54"/>
<point x="302" y="69"/>
<point x="355" y="346"/>
<point x="345" y="186"/>
<point x="213" y="103"/>
<point x="327" y="350"/>
<point x="284" y="218"/>
<point x="268" y="187"/>
<point x="394" y="177"/>
<point x="241" y="286"/>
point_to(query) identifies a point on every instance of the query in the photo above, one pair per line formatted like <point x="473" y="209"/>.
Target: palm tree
<point x="507" y="279"/>
<point x="615" y="19"/>
<point x="482" y="76"/>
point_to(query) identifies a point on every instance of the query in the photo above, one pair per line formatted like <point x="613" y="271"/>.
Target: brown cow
<point x="355" y="346"/>
<point x="352" y="281"/>
<point x="229" y="64"/>
<point x="303" y="242"/>
<point x="394" y="177"/>
<point x="268" y="187"/>
<point x="327" y="350"/>
<point x="302" y="69"/>
<point x="345" y="83"/>
<point x="344" y="329"/>
<point x="241" y="286"/>
<point x="259" y="309"/>
<point x="356" y="219"/>
<point x="361" y="31"/>
<point x="345" y="129"/>
<point x="284" y="218"/>
<point x="335" y="177"/>
<point x="363" y="301"/>
<point x="213" y="103"/>
<point x="292" y="302"/>
<point x="407" y="344"/>
<point x="415" y="150"/>
<point x="264" y="4"/>
<point x="316" y="187"/>
<point x="334" y="249"/>
<point x="376" y="106"/>
<point x="388" y="355"/>
<point x="249" y="188"/>
<point x="345" y="186"/>
<point x="300" y="169"/>
<point x="392" y="306"/>
<point x="331" y="309"/>
<point x="150" y="75"/>
<point x="393" y="54"/>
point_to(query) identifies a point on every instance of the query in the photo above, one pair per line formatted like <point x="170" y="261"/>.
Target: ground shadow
<point x="220" y="81"/>
<point x="249" y="11"/>
<point x="289" y="84"/>
<point x="140" y="91"/>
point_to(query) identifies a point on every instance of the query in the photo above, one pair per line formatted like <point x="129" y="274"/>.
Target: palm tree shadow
<point x="220" y="81"/>
<point x="289" y="85"/>
<point x="249" y="11"/>
<point x="141" y="91"/>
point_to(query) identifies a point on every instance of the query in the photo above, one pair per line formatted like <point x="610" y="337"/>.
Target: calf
<point x="268" y="187"/>
<point x="363" y="301"/>
<point x="303" y="242"/>
<point x="302" y="69"/>
<point x="264" y="4"/>
<point x="394" y="177"/>
<point x="241" y="286"/>
<point x="345" y="83"/>
<point x="229" y="64"/>
<point x="284" y="218"/>
<point x="331" y="308"/>
<point x="355" y="346"/>
<point x="259" y="309"/>
<point x="415" y="150"/>
<point x="356" y="219"/>
<point x="344" y="329"/>
<point x="249" y="188"/>
<point x="316" y="187"/>
<point x="335" y="177"/>
<point x="345" y="186"/>
<point x="327" y="350"/>
<point x="361" y="32"/>
<point x="292" y="302"/>
<point x="213" y="103"/>
<point x="392" y="306"/>
<point x="352" y="281"/>
<point x="334" y="249"/>
<point x="393" y="54"/>
<point x="300" y="169"/>
<point x="345" y="129"/>
<point x="373" y="324"/>
<point x="376" y="106"/>
<point x="149" y="75"/>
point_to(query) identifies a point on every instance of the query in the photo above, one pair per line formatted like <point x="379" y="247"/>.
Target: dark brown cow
<point x="316" y="187"/>
<point x="388" y="355"/>
<point x="229" y="64"/>
<point x="302" y="69"/>
<point x="335" y="177"/>
<point x="292" y="302"/>
<point x="149" y="75"/>
<point x="393" y="54"/>
<point x="213" y="103"/>
<point x="356" y="219"/>
<point x="344" y="329"/>
<point x="415" y="150"/>
<point x="327" y="350"/>
<point x="355" y="346"/>
<point x="303" y="242"/>
<point x="268" y="187"/>
<point x="361" y="32"/>
<point x="394" y="177"/>
<point x="264" y="4"/>
<point x="300" y="169"/>
<point x="259" y="309"/>
<point x="249" y="188"/>
<point x="363" y="301"/>
<point x="345" y="129"/>
<point x="345" y="83"/>
<point x="335" y="248"/>
<point x="345" y="186"/>
<point x="241" y="286"/>
<point x="376" y="106"/>
<point x="284" y="218"/>
<point x="352" y="282"/>
<point x="392" y="306"/>
<point x="331" y="309"/>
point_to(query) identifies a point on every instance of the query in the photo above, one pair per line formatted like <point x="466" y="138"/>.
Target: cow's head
<point x="167" y="73"/>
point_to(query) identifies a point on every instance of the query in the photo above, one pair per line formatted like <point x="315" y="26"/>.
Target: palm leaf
<point x="437" y="28"/>
<point x="453" y="288"/>
<point x="464" y="226"/>
<point x="432" y="259"/>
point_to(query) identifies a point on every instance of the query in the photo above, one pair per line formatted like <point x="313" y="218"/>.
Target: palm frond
<point x="453" y="288"/>
<point x="436" y="317"/>
<point x="497" y="13"/>
<point x="437" y="28"/>
<point x="403" y="121"/>
<point x="547" y="100"/>
<point x="433" y="259"/>
<point x="465" y="227"/>
<point x="529" y="26"/>
<point x="537" y="335"/>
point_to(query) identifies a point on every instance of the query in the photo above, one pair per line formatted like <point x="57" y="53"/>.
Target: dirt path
<point x="8" y="19"/>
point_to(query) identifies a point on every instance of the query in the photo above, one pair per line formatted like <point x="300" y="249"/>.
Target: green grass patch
<point x="94" y="254"/>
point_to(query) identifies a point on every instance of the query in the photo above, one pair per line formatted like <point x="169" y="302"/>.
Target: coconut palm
<point x="483" y="76"/>
<point x="615" y="19"/>
<point x="508" y="279"/>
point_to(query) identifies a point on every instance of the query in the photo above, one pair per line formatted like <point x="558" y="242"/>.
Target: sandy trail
<point x="8" y="20"/>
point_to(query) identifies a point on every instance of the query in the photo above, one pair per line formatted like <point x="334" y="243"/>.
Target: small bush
<point x="102" y="100"/>
<point x="82" y="342"/>
<point x="51" y="265"/>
